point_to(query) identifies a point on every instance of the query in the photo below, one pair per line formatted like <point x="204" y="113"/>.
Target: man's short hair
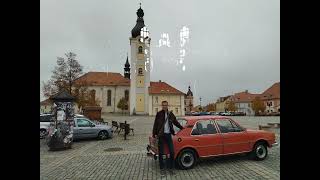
<point x="164" y="102"/>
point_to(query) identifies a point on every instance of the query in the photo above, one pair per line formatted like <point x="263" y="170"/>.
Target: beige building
<point x="45" y="106"/>
<point x="221" y="104"/>
<point x="161" y="91"/>
<point x="271" y="98"/>
<point x="108" y="88"/>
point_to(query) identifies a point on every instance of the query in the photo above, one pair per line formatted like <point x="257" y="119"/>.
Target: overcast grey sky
<point x="234" y="45"/>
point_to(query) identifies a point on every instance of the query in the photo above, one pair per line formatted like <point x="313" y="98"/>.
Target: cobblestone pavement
<point x="90" y="159"/>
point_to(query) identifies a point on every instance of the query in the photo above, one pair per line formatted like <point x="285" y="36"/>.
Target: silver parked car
<point x="45" y="120"/>
<point x="85" y="128"/>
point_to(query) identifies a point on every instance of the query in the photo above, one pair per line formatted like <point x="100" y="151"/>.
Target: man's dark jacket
<point x="158" y="126"/>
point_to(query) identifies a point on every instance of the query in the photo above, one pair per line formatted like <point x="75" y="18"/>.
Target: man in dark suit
<point x="163" y="129"/>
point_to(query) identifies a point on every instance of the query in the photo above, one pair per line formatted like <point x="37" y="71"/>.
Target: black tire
<point x="186" y="159"/>
<point x="103" y="135"/>
<point x="43" y="133"/>
<point x="259" y="152"/>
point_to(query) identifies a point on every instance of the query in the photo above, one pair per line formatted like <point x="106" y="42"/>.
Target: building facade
<point x="161" y="91"/>
<point x="221" y="104"/>
<point x="45" y="106"/>
<point x="243" y="102"/>
<point x="271" y="98"/>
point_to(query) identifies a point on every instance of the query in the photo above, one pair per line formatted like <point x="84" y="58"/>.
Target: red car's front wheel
<point x="260" y="151"/>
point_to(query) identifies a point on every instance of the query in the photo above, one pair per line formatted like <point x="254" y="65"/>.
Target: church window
<point x="109" y="98"/>
<point x="140" y="50"/>
<point x="140" y="72"/>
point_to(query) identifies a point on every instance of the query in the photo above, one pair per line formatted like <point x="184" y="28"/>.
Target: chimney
<point x="246" y="91"/>
<point x="159" y="80"/>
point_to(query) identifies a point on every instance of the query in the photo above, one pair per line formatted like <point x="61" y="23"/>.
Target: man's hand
<point x="154" y="136"/>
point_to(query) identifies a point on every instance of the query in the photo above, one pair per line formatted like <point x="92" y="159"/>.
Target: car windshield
<point x="183" y="122"/>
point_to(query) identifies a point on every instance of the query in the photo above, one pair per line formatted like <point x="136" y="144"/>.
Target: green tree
<point x="258" y="106"/>
<point x="123" y="104"/>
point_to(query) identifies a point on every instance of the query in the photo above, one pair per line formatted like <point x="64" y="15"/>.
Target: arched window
<point x="140" y="49"/>
<point x="126" y="95"/>
<point x="140" y="72"/>
<point x="109" y="98"/>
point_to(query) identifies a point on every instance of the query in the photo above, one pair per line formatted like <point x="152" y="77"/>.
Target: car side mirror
<point x="92" y="125"/>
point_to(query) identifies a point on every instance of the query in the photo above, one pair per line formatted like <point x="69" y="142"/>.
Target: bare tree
<point x="64" y="76"/>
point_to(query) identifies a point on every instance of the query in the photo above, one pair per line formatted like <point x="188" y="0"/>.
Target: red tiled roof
<point x="163" y="88"/>
<point x="272" y="93"/>
<point x="244" y="97"/>
<point x="103" y="79"/>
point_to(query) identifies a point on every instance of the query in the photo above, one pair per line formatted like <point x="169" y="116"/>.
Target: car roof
<point x="192" y="119"/>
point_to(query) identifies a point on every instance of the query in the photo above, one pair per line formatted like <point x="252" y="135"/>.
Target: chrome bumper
<point x="274" y="144"/>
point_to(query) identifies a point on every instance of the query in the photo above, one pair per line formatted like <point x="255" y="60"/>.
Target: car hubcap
<point x="103" y="135"/>
<point x="187" y="159"/>
<point x="261" y="151"/>
<point x="42" y="133"/>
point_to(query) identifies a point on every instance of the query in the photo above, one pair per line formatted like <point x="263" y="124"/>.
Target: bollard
<point x="125" y="128"/>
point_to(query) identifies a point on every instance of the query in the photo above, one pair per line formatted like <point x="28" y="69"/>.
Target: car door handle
<point x="80" y="129"/>
<point x="196" y="139"/>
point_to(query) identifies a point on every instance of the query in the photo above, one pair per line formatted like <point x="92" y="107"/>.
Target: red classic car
<point x="208" y="136"/>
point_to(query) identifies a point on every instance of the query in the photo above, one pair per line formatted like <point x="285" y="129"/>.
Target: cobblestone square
<point x="90" y="159"/>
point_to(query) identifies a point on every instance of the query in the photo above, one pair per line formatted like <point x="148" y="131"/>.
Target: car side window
<point x="83" y="123"/>
<point x="236" y="128"/>
<point x="204" y="127"/>
<point x="225" y="126"/>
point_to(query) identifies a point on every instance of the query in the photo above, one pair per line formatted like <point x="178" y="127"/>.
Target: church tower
<point x="140" y="67"/>
<point x="127" y="69"/>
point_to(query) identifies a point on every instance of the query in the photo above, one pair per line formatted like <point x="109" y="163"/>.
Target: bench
<point x="122" y="127"/>
<point x="115" y="124"/>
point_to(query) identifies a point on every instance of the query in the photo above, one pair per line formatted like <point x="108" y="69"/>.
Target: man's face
<point x="165" y="106"/>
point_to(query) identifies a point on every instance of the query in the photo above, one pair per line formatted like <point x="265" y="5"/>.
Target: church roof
<point x="163" y="88"/>
<point x="103" y="79"/>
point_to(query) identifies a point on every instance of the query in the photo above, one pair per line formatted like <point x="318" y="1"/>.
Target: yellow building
<point x="221" y="104"/>
<point x="161" y="91"/>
